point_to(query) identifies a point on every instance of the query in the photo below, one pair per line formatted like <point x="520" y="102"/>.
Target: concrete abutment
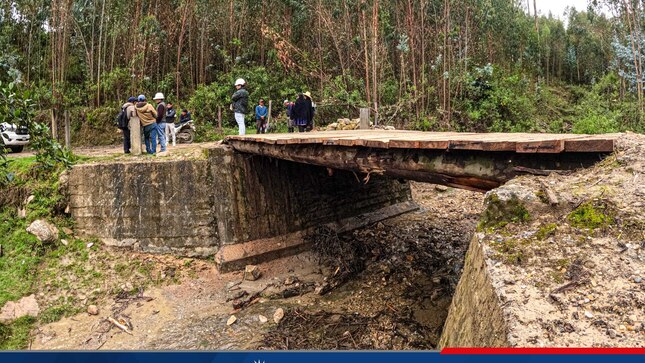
<point x="240" y="207"/>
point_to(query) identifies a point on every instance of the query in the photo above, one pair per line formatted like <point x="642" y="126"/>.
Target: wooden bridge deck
<point x="399" y="139"/>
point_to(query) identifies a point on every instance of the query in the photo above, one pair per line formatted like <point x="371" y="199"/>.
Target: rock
<point x="93" y="310"/>
<point x="12" y="310"/>
<point x="611" y="333"/>
<point x="589" y="264"/>
<point x="290" y="280"/>
<point x="43" y="230"/>
<point x="30" y="199"/>
<point x="67" y="231"/>
<point x="588" y="314"/>
<point x="638" y="280"/>
<point x="251" y="273"/>
<point x="64" y="242"/>
<point x="263" y="319"/>
<point x="89" y="245"/>
<point x="278" y="315"/>
<point x="237" y="294"/>
<point x="231" y="320"/>
<point x="441" y="188"/>
<point x="22" y="213"/>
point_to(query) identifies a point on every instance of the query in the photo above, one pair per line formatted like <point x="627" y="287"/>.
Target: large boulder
<point x="12" y="310"/>
<point x="43" y="230"/>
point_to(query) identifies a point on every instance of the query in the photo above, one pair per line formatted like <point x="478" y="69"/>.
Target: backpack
<point x="121" y="120"/>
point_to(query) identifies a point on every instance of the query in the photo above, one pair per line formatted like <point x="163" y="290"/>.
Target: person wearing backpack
<point x="161" y="124"/>
<point x="123" y="122"/>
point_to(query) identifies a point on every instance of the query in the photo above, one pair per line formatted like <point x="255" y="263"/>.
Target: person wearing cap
<point x="288" y="107"/>
<point x="261" y="113"/>
<point x="128" y="109"/>
<point x="240" y="104"/>
<point x="161" y="123"/>
<point x="171" y="115"/>
<point x="148" y="117"/>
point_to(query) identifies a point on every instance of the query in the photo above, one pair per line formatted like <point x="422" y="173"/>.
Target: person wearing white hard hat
<point x="161" y="124"/>
<point x="240" y="104"/>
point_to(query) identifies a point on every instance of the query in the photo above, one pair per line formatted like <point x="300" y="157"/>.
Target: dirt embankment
<point x="565" y="257"/>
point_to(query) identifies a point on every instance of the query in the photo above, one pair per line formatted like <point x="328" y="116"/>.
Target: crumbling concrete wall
<point x="194" y="207"/>
<point x="476" y="317"/>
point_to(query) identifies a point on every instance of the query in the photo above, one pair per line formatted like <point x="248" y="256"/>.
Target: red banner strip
<point x="634" y="351"/>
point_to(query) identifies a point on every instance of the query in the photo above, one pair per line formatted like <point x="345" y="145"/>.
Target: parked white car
<point x="14" y="137"/>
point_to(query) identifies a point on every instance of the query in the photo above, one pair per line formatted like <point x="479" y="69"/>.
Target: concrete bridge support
<point x="242" y="208"/>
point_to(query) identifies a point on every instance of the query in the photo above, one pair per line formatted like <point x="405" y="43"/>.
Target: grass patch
<point x="499" y="213"/>
<point x="511" y="251"/>
<point x="546" y="231"/>
<point x="15" y="336"/>
<point x="591" y="216"/>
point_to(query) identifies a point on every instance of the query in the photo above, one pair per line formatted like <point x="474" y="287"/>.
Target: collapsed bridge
<point x="472" y="161"/>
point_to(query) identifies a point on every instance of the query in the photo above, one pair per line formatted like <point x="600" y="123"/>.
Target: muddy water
<point x="398" y="301"/>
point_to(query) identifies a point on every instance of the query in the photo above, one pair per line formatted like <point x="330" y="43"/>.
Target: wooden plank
<point x="552" y="146"/>
<point x="517" y="142"/>
<point x="597" y="143"/>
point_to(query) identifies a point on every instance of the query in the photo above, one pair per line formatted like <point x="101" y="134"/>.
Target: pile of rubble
<point x="354" y="124"/>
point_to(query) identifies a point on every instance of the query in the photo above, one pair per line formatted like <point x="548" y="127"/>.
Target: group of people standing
<point x="158" y="124"/>
<point x="299" y="114"/>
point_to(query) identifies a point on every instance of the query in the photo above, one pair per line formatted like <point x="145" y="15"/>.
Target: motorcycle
<point x="185" y="132"/>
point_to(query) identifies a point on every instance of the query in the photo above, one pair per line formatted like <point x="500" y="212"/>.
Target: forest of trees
<point x="482" y="65"/>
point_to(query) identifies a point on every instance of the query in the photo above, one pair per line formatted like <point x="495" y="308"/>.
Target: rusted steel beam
<point x="465" y="169"/>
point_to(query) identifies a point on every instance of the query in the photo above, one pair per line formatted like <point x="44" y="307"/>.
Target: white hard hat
<point x="240" y="82"/>
<point x="158" y="96"/>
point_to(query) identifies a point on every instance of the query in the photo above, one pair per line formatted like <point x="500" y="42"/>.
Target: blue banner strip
<point x="300" y="357"/>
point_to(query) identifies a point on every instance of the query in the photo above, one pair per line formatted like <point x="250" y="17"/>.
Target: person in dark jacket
<point x="302" y="113"/>
<point x="240" y="104"/>
<point x="130" y="111"/>
<point x="185" y="116"/>
<point x="171" y="115"/>
<point x="161" y="124"/>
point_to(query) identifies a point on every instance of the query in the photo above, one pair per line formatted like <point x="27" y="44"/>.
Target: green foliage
<point x="591" y="215"/>
<point x="261" y="84"/>
<point x="546" y="231"/>
<point x="497" y="102"/>
<point x="510" y="251"/>
<point x="49" y="153"/>
<point x="499" y="213"/>
<point x="15" y="336"/>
